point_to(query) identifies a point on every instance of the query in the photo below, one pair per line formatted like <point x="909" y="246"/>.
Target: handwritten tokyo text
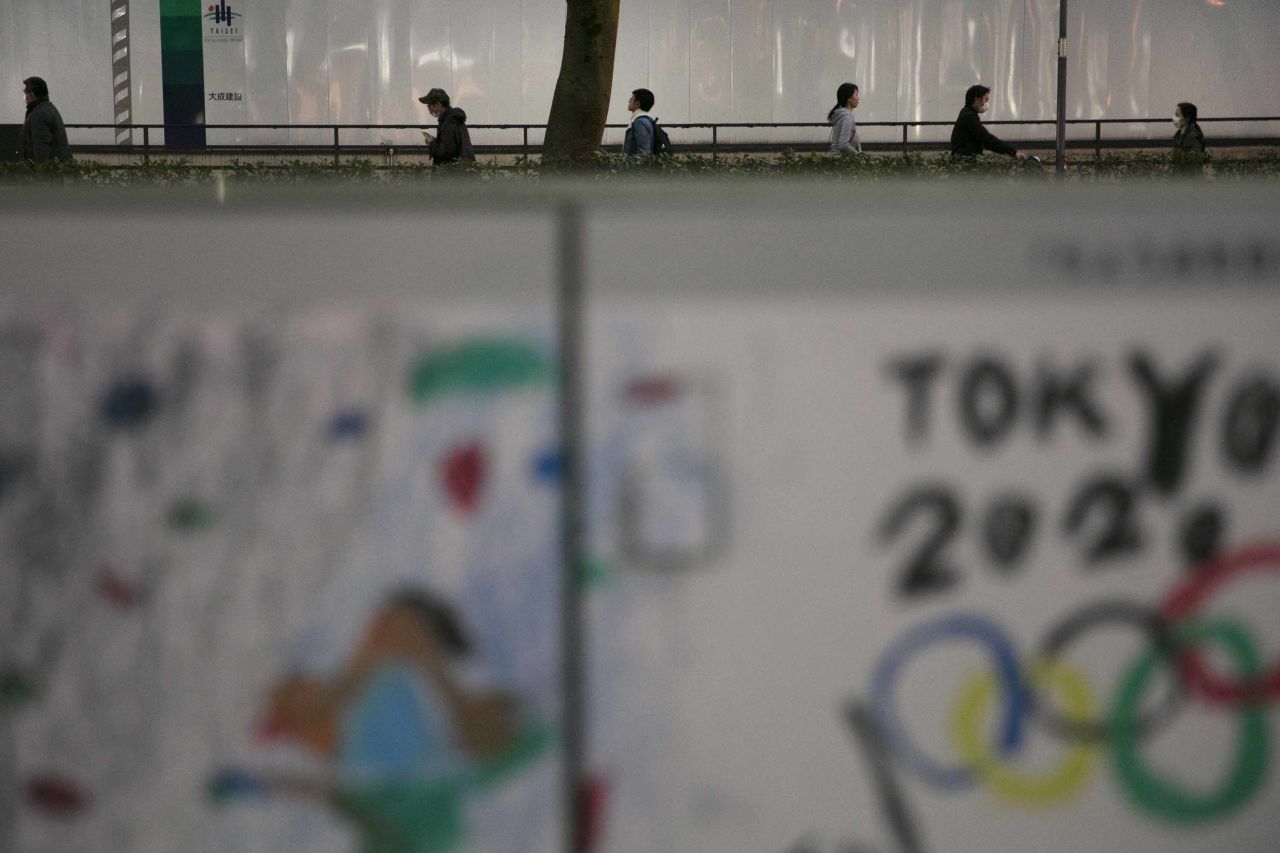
<point x="1103" y="515"/>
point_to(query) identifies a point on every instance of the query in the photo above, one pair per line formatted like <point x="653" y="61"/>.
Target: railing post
<point x="904" y="139"/>
<point x="1060" y="132"/>
<point x="715" y="142"/>
<point x="571" y="334"/>
<point x="1097" y="140"/>
<point x="335" y="145"/>
<point x="524" y="146"/>
<point x="146" y="146"/>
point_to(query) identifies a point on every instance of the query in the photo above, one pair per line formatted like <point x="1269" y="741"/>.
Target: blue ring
<point x="1017" y="697"/>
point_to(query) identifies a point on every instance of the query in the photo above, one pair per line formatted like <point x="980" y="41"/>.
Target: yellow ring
<point x="1023" y="789"/>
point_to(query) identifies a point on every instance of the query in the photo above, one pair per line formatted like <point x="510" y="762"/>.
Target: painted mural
<point x="284" y="586"/>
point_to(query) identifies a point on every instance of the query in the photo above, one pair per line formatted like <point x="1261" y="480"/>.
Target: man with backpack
<point x="643" y="137"/>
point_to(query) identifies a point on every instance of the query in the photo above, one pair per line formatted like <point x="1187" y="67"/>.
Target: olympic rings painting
<point x="1025" y="692"/>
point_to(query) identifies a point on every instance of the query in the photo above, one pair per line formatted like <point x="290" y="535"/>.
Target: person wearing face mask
<point x="44" y="136"/>
<point x="969" y="138"/>
<point x="452" y="142"/>
<point x="844" y="130"/>
<point x="1188" y="140"/>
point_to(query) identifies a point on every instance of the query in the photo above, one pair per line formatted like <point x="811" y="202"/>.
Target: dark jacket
<point x="1188" y="148"/>
<point x="452" y="141"/>
<point x="969" y="137"/>
<point x="44" y="137"/>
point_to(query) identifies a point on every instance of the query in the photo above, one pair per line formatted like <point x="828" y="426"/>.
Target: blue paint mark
<point x="129" y="403"/>
<point x="547" y="465"/>
<point x="348" y="425"/>
<point x="229" y="784"/>
<point x="398" y="727"/>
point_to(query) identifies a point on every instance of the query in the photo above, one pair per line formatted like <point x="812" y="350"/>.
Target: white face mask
<point x="1177" y="122"/>
<point x="982" y="108"/>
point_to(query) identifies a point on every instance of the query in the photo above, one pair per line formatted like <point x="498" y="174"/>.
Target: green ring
<point x="1151" y="793"/>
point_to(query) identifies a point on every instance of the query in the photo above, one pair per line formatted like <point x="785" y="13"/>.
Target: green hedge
<point x="607" y="167"/>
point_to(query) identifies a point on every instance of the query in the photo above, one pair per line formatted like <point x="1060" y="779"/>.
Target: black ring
<point x="1076" y="623"/>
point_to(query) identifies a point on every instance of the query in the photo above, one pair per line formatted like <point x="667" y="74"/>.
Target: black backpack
<point x="661" y="142"/>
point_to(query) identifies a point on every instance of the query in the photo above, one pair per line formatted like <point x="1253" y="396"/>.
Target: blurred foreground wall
<point x="940" y="518"/>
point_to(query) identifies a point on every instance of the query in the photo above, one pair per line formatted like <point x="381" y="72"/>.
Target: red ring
<point x="1186" y="597"/>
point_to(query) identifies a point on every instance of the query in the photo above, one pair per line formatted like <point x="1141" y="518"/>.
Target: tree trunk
<point x="581" y="101"/>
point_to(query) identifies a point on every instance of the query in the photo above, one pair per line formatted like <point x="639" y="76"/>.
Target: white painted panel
<point x="917" y="68"/>
<point x="12" y="106"/>
<point x="821" y="452"/>
<point x="808" y="55"/>
<point x="755" y="77"/>
<point x="90" y="97"/>
<point x="350" y="89"/>
<point x="710" y="61"/>
<point x="506" y="82"/>
<point x="264" y="331"/>
<point x="668" y="42"/>
<point x="432" y="56"/>
<point x="33" y="55"/>
<point x="392" y="71"/>
<point x="1126" y="90"/>
<point x="630" y="67"/>
<point x="307" y="52"/>
<point x="541" y="48"/>
<point x="145" y="68"/>
<point x="869" y="38"/>
<point x="471" y="34"/>
<point x="266" y="69"/>
<point x="1038" y="59"/>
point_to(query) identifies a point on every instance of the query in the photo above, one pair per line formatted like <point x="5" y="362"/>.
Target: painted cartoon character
<point x="408" y="740"/>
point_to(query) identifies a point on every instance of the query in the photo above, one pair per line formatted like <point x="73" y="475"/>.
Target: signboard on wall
<point x="224" y="65"/>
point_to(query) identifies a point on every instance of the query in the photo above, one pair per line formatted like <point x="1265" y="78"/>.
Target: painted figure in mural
<point x="408" y="740"/>
<point x="44" y="137"/>
<point x="844" y="129"/>
<point x="638" y="140"/>
<point x="969" y="138"/>
<point x="452" y="142"/>
<point x="1188" y="140"/>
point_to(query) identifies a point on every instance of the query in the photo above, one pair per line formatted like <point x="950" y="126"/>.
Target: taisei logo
<point x="220" y="13"/>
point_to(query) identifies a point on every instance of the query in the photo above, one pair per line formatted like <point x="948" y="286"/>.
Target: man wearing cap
<point x="452" y="142"/>
<point x="44" y="137"/>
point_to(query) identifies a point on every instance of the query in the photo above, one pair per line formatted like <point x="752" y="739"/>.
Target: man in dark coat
<point x="44" y="137"/>
<point x="969" y="138"/>
<point x="452" y="142"/>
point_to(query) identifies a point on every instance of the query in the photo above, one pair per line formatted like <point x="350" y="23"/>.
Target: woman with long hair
<point x="1188" y="141"/>
<point x="844" y="130"/>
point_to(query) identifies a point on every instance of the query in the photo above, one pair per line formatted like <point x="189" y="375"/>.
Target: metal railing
<point x="714" y="146"/>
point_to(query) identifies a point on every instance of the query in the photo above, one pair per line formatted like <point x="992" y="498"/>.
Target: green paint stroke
<point x="595" y="572"/>
<point x="191" y="515"/>
<point x="478" y="366"/>
<point x="16" y="687"/>
<point x="1163" y="797"/>
<point x="426" y="816"/>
